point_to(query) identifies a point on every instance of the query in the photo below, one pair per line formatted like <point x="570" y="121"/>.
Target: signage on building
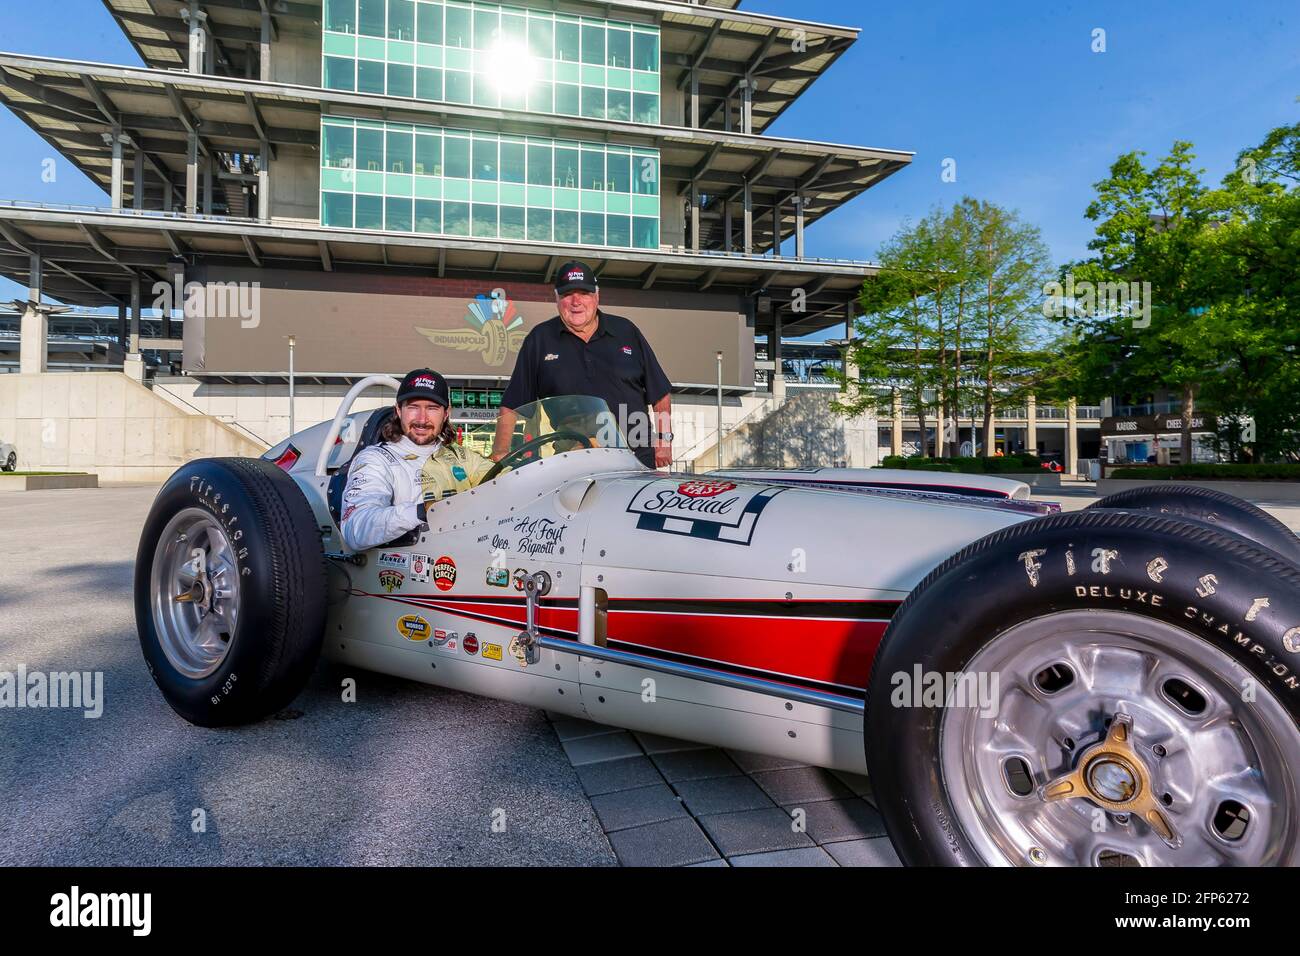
<point x="1134" y="426"/>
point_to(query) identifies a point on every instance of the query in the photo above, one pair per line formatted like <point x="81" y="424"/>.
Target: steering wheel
<point x="531" y="446"/>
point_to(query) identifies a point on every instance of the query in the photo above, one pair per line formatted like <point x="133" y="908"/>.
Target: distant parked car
<point x="8" y="457"/>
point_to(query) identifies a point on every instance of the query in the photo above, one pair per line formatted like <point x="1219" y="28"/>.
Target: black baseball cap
<point x="424" y="383"/>
<point x="574" y="275"/>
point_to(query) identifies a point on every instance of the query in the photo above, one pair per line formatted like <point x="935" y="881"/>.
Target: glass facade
<point x="484" y="54"/>
<point x="458" y="182"/>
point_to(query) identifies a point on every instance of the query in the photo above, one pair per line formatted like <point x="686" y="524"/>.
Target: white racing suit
<point x="388" y="482"/>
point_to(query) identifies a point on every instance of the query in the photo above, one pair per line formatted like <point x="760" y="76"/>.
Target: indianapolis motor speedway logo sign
<point x="496" y="329"/>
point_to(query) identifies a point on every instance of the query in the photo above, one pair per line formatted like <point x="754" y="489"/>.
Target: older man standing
<point x="584" y="351"/>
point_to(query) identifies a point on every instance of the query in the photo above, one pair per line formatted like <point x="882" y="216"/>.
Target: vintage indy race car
<point x="1114" y="686"/>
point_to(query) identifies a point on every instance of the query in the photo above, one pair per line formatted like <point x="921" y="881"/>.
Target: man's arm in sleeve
<point x="477" y="465"/>
<point x="370" y="516"/>
<point x="658" y="392"/>
<point x="519" y="391"/>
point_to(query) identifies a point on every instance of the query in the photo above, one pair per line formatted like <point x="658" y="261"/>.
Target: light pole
<point x="719" y="409"/>
<point x="291" y="344"/>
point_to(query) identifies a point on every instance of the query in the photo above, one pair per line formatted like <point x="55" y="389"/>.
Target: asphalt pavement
<point x="408" y="774"/>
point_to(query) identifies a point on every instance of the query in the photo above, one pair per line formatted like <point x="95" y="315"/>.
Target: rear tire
<point x="237" y="641"/>
<point x="1211" y="507"/>
<point x="1072" y="621"/>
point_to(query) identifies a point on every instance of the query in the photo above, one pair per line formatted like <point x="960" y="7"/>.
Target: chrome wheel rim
<point x="1121" y="740"/>
<point x="194" y="593"/>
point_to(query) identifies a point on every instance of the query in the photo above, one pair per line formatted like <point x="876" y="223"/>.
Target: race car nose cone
<point x="1112" y="780"/>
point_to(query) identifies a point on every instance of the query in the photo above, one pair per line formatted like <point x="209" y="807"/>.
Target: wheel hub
<point x="1110" y="779"/>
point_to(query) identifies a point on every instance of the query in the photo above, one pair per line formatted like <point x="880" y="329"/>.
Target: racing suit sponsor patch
<point x="715" y="510"/>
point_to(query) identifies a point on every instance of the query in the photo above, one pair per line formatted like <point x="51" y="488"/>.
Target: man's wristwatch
<point x="665" y="436"/>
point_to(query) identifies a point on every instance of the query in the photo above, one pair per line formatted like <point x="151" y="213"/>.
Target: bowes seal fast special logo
<point x="496" y="329"/>
<point x="701" y="508"/>
<point x="444" y="573"/>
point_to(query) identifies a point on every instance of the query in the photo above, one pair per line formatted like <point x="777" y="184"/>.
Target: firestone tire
<point x="1211" y="507"/>
<point x="1218" y="598"/>
<point x="238" y="642"/>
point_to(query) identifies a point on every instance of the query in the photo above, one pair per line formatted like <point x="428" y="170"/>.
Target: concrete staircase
<point x="109" y="424"/>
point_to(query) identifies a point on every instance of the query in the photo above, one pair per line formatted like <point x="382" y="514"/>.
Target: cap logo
<point x="423" y="382"/>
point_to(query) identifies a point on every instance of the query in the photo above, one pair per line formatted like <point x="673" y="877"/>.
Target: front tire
<point x="1102" y="678"/>
<point x="230" y="591"/>
<point x="11" y="461"/>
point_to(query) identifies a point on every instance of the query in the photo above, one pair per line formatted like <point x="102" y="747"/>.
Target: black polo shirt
<point x="617" y="365"/>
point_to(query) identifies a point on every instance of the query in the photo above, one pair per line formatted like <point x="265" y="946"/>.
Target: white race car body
<point x="740" y="610"/>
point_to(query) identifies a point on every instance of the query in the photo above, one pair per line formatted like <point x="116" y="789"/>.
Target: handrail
<point x="345" y="406"/>
<point x="252" y="433"/>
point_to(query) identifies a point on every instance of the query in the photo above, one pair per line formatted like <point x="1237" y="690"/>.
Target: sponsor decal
<point x="470" y="644"/>
<point x="451" y="644"/>
<point x="444" y="573"/>
<point x="413" y="627"/>
<point x="288" y="458"/>
<point x="627" y="350"/>
<point x="495" y="329"/>
<point x="410" y="457"/>
<point x="704" y="488"/>
<point x="538" y="535"/>
<point x="458" y="472"/>
<point x="394" y="559"/>
<point x="420" y="568"/>
<point x="347" y="513"/>
<point x="492" y="652"/>
<point x="498" y="577"/>
<point x="550" y="357"/>
<point x="391" y="580"/>
<point x="440" y="636"/>
<point x="713" y="510"/>
<point x="519" y="575"/>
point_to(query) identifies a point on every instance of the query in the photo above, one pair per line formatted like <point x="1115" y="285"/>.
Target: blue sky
<point x="1011" y="91"/>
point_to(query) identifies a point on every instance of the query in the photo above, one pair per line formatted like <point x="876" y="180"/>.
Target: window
<point x="566" y="167"/>
<point x="593" y="228"/>
<point x="619" y="171"/>
<point x="568" y="43"/>
<point x="370" y="76"/>
<point x="336" y="210"/>
<point x="428" y="83"/>
<point x="541" y="98"/>
<point x="456" y="156"/>
<point x="593" y="169"/>
<point x="458" y="87"/>
<point x="645" y="51"/>
<point x="341" y="17"/>
<point x="645" y="175"/>
<point x="485" y="221"/>
<point x="428" y="155"/>
<point x="370" y="149"/>
<point x="455" y="218"/>
<point x="566" y="99"/>
<point x="512" y="222"/>
<point x="485" y="159"/>
<point x="487" y="25"/>
<point x="397" y="214"/>
<point x="370" y="212"/>
<point x="428" y="215"/>
<point x="340" y="73"/>
<point x="512" y="163"/>
<point x="400" y="145"/>
<point x="539" y="225"/>
<point x="645" y="232"/>
<point x="371" y="18"/>
<point x="593" y="102"/>
<point x="539" y="165"/>
<point x="541" y="37"/>
<point x="618" y="230"/>
<point x="645" y="107"/>
<point x="337" y="146"/>
<point x="618" y="105"/>
<point x="401" y="80"/>
<point x="428" y="23"/>
<point x="618" y="49"/>
<point x="593" y="44"/>
<point x="458" y="26"/>
<point x="401" y="19"/>
<point x="566" y="227"/>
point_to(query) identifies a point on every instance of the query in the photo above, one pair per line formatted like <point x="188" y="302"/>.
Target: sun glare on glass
<point x="511" y="68"/>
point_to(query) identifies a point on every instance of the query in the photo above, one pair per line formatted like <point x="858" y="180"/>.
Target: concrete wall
<point x="295" y="184"/>
<point x="296" y="58"/>
<point x="104" y="422"/>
